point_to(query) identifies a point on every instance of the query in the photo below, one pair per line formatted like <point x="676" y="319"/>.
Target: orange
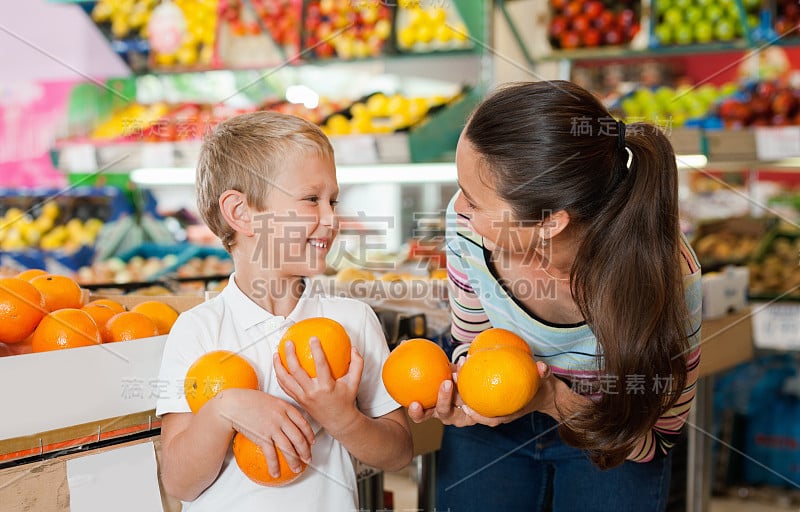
<point x="130" y="325"/>
<point x="112" y="304"/>
<point x="59" y="292"/>
<point x="333" y="338"/>
<point x="214" y="371"/>
<point x="498" y="381"/>
<point x="29" y="274"/>
<point x="414" y="371"/>
<point x="161" y="314"/>
<point x="496" y="337"/>
<point x="21" y="309"/>
<point x="250" y="458"/>
<point x="101" y="314"/>
<point x="65" y="328"/>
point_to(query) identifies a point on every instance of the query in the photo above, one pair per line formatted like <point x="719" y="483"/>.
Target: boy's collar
<point x="246" y="312"/>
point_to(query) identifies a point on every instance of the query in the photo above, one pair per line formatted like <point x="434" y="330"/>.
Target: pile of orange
<point x="499" y="376"/>
<point x="414" y="371"/>
<point x="41" y="312"/>
<point x="332" y="336"/>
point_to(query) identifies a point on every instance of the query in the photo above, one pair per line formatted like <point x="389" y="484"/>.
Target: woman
<point x="565" y="230"/>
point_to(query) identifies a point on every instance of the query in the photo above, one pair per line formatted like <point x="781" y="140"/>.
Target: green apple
<point x="673" y="16"/>
<point x="683" y="34"/>
<point x="693" y="14"/>
<point x="725" y="30"/>
<point x="682" y="4"/>
<point x="663" y="33"/>
<point x="714" y="13"/>
<point x="662" y="6"/>
<point x="703" y="31"/>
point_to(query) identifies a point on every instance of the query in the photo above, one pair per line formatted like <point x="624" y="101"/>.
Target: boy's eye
<point x="334" y="203"/>
<point x="313" y="199"/>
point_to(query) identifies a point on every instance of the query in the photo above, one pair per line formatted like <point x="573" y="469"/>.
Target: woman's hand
<point x="451" y="410"/>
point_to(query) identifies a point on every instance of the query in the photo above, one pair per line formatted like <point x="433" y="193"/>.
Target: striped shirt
<point x="478" y="301"/>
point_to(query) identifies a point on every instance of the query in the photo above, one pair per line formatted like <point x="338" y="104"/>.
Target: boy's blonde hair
<point x="245" y="153"/>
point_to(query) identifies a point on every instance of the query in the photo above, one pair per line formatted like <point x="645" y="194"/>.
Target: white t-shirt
<point x="231" y="321"/>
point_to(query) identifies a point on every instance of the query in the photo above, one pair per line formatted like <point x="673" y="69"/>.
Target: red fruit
<point x="581" y="23"/>
<point x="573" y="8"/>
<point x="592" y="38"/>
<point x="626" y="17"/>
<point x="558" y="5"/>
<point x="558" y="25"/>
<point x="784" y="103"/>
<point x="604" y="21"/>
<point x="569" y="40"/>
<point x="760" y="106"/>
<point x="613" y="36"/>
<point x="593" y="8"/>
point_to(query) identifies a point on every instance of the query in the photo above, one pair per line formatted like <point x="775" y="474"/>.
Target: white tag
<point x="158" y="155"/>
<point x="776" y="326"/>
<point x="778" y="142"/>
<point x="78" y="158"/>
<point x="355" y="149"/>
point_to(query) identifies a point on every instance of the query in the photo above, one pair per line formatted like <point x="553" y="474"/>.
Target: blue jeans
<point x="525" y="466"/>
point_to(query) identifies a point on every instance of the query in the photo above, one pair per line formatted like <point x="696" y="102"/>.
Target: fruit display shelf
<point x="431" y="140"/>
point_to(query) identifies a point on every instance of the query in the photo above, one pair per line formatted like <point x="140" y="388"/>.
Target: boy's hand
<point x="271" y="422"/>
<point x="329" y="401"/>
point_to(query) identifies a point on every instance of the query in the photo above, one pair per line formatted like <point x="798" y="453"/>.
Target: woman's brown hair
<point x="550" y="146"/>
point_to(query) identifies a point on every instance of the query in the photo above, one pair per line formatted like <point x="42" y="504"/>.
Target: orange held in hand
<point x="495" y="337"/>
<point x="21" y="309"/>
<point x="161" y="314"/>
<point x="215" y="371"/>
<point x="65" y="328"/>
<point x="333" y="338"/>
<point x="250" y="458"/>
<point x="414" y="371"/>
<point x="130" y="325"/>
<point x="498" y="381"/>
<point x="59" y="292"/>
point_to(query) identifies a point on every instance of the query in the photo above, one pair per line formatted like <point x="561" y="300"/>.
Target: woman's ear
<point x="554" y="224"/>
<point x="236" y="212"/>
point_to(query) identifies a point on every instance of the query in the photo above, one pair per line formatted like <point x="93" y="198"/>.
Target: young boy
<point x="266" y="185"/>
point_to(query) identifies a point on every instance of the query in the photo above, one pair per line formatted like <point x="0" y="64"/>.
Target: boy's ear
<point x="236" y="212"/>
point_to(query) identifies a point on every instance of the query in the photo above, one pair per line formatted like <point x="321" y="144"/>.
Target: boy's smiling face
<point x="296" y="231"/>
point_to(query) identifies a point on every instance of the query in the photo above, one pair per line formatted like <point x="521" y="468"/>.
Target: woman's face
<point x="489" y="215"/>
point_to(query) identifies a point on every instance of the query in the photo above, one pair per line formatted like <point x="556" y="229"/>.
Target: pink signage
<point x="30" y="116"/>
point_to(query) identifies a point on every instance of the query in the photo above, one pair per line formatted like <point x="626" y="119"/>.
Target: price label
<point x="158" y="154"/>
<point x="78" y="158"/>
<point x="355" y="149"/>
<point x="776" y="326"/>
<point x="777" y="143"/>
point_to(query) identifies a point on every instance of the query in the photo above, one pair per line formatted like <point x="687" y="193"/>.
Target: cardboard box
<point x="91" y="388"/>
<point x="726" y="342"/>
<point x="43" y="487"/>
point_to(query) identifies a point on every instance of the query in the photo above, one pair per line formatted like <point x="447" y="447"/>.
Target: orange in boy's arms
<point x="214" y="371"/>
<point x="250" y="459"/>
<point x="333" y="338"/>
<point x="414" y="371"/>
